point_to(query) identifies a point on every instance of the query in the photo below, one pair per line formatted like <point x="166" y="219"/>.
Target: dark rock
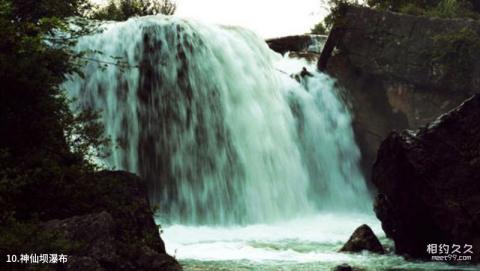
<point x="381" y="59"/>
<point x="157" y="261"/>
<point x="124" y="196"/>
<point x="332" y="41"/>
<point x="83" y="263"/>
<point x="300" y="43"/>
<point x="290" y="43"/>
<point x="343" y="267"/>
<point x="396" y="46"/>
<point x="116" y="229"/>
<point x="429" y="183"/>
<point x="310" y="57"/>
<point x="363" y="238"/>
<point x="96" y="232"/>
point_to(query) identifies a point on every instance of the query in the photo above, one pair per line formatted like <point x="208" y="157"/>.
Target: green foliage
<point x="432" y="8"/>
<point x="452" y="9"/>
<point x="121" y="10"/>
<point x="319" y="29"/>
<point x="84" y="135"/>
<point x="337" y="10"/>
<point x="34" y="61"/>
<point x="19" y="237"/>
<point x="34" y="10"/>
<point x="46" y="150"/>
<point x="44" y="146"/>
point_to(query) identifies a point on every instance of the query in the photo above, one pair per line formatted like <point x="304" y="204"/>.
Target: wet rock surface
<point x="362" y="239"/>
<point x="428" y="184"/>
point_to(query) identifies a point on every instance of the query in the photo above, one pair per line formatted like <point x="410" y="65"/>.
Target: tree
<point x="34" y="60"/>
<point x="41" y="139"/>
<point x="337" y="8"/>
<point x="319" y="29"/>
<point x="44" y="146"/>
<point x="121" y="10"/>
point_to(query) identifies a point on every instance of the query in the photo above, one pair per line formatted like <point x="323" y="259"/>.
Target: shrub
<point x="117" y="10"/>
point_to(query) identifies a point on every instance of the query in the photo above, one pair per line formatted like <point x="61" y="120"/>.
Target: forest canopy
<point x="117" y="10"/>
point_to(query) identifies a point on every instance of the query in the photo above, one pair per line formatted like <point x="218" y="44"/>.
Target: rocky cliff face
<point x="429" y="184"/>
<point x="406" y="48"/>
<point x="401" y="71"/>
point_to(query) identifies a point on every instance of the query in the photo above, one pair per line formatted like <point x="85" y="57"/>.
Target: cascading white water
<point x="211" y="118"/>
<point x="226" y="136"/>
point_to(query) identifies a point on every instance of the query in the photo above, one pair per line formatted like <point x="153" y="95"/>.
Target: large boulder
<point x="76" y="263"/>
<point x="113" y="228"/>
<point x="95" y="232"/>
<point x="392" y="68"/>
<point x="429" y="183"/>
<point x="362" y="239"/>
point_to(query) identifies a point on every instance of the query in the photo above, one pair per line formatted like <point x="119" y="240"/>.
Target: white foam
<point x="262" y="242"/>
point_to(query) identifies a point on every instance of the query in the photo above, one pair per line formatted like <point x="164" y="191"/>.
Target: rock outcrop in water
<point x="299" y="43"/>
<point x="119" y="233"/>
<point x="401" y="71"/>
<point x="429" y="184"/>
<point x="362" y="239"/>
<point x="289" y="43"/>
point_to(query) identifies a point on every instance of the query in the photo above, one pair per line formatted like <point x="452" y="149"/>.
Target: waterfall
<point x="216" y="124"/>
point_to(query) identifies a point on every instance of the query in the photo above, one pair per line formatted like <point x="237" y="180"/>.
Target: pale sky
<point x="268" y="18"/>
